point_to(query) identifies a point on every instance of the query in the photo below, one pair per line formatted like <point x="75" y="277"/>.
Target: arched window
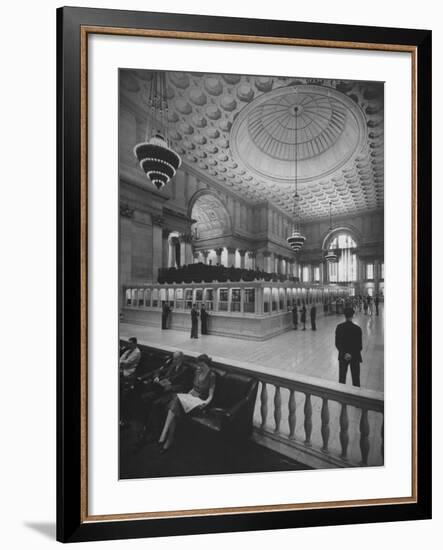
<point x="345" y="269"/>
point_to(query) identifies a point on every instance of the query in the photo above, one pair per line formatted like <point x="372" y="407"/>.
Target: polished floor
<point x="308" y="352"/>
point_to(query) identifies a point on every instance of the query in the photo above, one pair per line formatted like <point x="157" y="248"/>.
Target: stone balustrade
<point x="299" y="415"/>
<point x="320" y="423"/>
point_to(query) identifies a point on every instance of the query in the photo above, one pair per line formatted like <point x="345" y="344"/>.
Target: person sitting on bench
<point x="198" y="398"/>
<point x="155" y="390"/>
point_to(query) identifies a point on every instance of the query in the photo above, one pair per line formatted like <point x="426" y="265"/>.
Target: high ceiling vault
<point x="240" y="131"/>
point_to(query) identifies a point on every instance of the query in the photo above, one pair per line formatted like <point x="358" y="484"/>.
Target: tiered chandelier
<point x="331" y="256"/>
<point x="156" y="158"/>
<point x="296" y="240"/>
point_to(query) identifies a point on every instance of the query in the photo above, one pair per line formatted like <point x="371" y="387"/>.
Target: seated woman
<point x="183" y="403"/>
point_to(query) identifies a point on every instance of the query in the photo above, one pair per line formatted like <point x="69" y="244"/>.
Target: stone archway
<point x="212" y="219"/>
<point x="344" y="240"/>
<point x="332" y="233"/>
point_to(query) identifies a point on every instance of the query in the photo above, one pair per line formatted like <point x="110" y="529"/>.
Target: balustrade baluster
<point x="264" y="405"/>
<point x="325" y="424"/>
<point x="308" y="419"/>
<point x="277" y="409"/>
<point x="364" y="437"/>
<point x="344" y="433"/>
<point x="291" y="416"/>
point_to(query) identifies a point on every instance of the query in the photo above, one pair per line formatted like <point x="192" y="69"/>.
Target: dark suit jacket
<point x="194" y="315"/>
<point x="175" y="374"/>
<point x="348" y="339"/>
<point x="203" y="315"/>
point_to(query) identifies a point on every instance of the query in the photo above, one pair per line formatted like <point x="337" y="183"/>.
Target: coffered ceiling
<point x="241" y="131"/>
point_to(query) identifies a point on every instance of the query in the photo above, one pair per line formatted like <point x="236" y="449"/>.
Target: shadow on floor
<point x="194" y="453"/>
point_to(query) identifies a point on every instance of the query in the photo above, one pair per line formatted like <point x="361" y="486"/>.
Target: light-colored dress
<point x="204" y="380"/>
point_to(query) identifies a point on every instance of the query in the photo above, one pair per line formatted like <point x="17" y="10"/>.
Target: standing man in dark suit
<point x="313" y="317"/>
<point x="204" y="319"/>
<point x="376" y="302"/>
<point x="303" y="317"/>
<point x="194" y="321"/>
<point x="348" y="341"/>
<point x="165" y="314"/>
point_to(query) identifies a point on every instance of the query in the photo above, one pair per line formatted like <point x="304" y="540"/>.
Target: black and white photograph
<point x="224" y="222"/>
<point x="251" y="273"/>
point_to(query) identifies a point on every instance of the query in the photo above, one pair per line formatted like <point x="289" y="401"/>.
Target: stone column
<point x="218" y="253"/>
<point x="165" y="246"/>
<point x="171" y="254"/>
<point x="242" y="258"/>
<point x="126" y="215"/>
<point x="231" y="257"/>
<point x="157" y="245"/>
<point x="187" y="259"/>
<point x="182" y="241"/>
<point x="196" y="256"/>
<point x="252" y="257"/>
<point x="272" y="262"/>
<point x="205" y="254"/>
<point x="275" y="263"/>
<point x="267" y="262"/>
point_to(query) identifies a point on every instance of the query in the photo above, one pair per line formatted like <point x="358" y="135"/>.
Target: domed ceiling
<point x="239" y="131"/>
<point x="326" y="126"/>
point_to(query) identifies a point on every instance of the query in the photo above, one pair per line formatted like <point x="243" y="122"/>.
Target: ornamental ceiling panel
<point x="244" y="132"/>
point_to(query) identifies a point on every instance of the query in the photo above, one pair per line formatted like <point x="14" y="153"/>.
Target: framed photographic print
<point x="244" y="237"/>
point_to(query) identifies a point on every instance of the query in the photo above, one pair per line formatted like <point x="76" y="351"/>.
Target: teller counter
<point x="251" y="310"/>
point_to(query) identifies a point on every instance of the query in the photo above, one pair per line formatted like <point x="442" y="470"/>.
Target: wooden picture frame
<point x="74" y="523"/>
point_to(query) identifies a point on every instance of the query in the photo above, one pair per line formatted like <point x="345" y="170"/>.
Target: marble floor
<point x="309" y="352"/>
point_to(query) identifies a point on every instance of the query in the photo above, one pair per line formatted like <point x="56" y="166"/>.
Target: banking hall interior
<point x="251" y="206"/>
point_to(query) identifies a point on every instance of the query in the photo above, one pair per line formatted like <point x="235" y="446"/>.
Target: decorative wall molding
<point x="126" y="211"/>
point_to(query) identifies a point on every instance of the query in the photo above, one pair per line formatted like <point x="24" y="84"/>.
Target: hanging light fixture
<point x="156" y="158"/>
<point x="331" y="256"/>
<point x="296" y="240"/>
